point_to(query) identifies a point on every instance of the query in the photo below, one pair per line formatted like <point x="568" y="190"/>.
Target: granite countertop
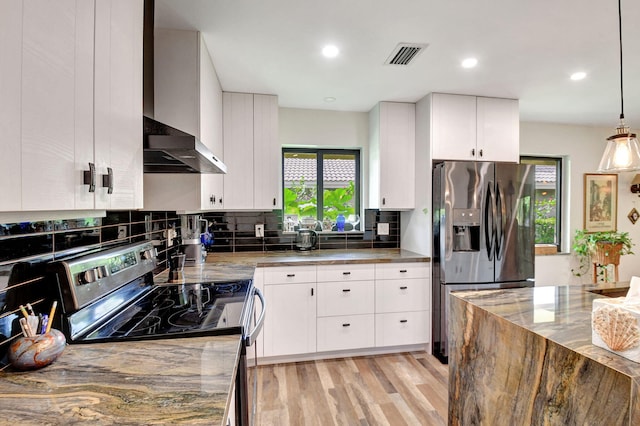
<point x="241" y="265"/>
<point x="170" y="381"/>
<point x="561" y="314"/>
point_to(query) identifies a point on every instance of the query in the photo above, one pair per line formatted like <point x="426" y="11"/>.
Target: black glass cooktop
<point x="178" y="310"/>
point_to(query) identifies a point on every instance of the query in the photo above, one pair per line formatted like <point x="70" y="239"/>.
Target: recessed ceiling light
<point x="329" y="99"/>
<point x="469" y="63"/>
<point x="578" y="75"/>
<point x="330" y="51"/>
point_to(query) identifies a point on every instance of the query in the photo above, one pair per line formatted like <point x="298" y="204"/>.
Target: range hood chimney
<point x="167" y="149"/>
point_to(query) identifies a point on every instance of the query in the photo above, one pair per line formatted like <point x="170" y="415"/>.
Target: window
<point x="548" y="196"/>
<point x="334" y="173"/>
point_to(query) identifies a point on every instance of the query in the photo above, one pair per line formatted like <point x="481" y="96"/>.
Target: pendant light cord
<point x="620" y="34"/>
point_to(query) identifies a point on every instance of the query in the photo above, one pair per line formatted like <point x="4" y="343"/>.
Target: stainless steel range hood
<point x="169" y="150"/>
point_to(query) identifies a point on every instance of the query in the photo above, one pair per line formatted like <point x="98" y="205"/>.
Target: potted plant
<point x="600" y="248"/>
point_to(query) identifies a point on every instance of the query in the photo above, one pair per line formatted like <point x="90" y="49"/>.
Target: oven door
<point x="246" y="381"/>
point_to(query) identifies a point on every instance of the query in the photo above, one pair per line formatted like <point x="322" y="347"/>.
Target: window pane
<point x="339" y="180"/>
<point x="547" y="211"/>
<point x="300" y="184"/>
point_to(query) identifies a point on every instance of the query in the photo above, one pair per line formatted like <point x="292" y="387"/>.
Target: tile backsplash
<point x="26" y="247"/>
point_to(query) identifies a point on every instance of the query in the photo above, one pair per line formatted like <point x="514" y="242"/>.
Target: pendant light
<point x="622" y="153"/>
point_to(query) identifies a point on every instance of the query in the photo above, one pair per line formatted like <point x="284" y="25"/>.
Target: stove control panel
<point x="86" y="278"/>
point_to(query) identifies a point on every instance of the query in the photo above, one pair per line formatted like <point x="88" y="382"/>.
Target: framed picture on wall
<point x="600" y="202"/>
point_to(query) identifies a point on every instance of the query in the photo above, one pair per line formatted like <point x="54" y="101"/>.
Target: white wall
<point x="582" y="147"/>
<point x="328" y="129"/>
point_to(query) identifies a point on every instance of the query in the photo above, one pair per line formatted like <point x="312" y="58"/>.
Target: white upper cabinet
<point x="474" y="128"/>
<point x="498" y="130"/>
<point x="71" y="61"/>
<point x="267" y="162"/>
<point x="118" y="106"/>
<point x="392" y="153"/>
<point x="187" y="96"/>
<point x="56" y="104"/>
<point x="10" y="104"/>
<point x="237" y="119"/>
<point x="251" y="152"/>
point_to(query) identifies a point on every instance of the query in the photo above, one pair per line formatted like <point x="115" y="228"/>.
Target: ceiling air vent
<point x="405" y="53"/>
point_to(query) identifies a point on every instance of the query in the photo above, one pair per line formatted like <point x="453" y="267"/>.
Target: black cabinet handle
<point x="346" y="290"/>
<point x="481" y="153"/>
<point x="312" y="291"/>
<point x="274" y="201"/>
<point x="107" y="180"/>
<point x="403" y="321"/>
<point x="404" y="287"/>
<point x="90" y="177"/>
<point x="346" y="273"/>
<point x="402" y="271"/>
<point x="384" y="201"/>
<point x="473" y="152"/>
<point x="291" y="275"/>
<point x="212" y="199"/>
<point x="346" y="325"/>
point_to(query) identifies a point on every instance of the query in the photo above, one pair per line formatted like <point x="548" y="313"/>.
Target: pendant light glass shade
<point x="622" y="153"/>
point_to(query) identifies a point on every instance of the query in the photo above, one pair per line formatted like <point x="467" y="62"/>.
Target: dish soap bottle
<point x="340" y="222"/>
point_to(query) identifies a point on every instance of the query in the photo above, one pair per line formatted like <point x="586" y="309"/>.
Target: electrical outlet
<point x="383" y="229"/>
<point x="122" y="231"/>
<point x="260" y="230"/>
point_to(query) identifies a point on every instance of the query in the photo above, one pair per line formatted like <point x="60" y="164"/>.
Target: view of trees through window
<point x="332" y="173"/>
<point x="547" y="198"/>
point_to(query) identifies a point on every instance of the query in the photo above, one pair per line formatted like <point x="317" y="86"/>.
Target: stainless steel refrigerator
<point x="483" y="233"/>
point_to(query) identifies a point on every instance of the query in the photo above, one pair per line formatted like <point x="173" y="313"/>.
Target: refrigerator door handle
<point x="489" y="221"/>
<point x="500" y="225"/>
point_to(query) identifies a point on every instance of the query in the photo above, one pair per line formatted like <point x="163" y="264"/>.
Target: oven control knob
<point x="148" y="254"/>
<point x="92" y="275"/>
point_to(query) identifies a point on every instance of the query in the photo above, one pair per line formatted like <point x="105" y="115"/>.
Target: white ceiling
<point x="526" y="49"/>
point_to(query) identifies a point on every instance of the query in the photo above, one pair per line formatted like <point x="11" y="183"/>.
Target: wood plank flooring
<point x="395" y="389"/>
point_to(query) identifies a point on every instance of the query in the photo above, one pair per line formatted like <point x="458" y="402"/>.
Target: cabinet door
<point x="397" y="155"/>
<point x="267" y="156"/>
<point x="10" y="132"/>
<point x="57" y="103"/>
<point x="453" y="127"/>
<point x="118" y="110"/>
<point x="498" y="130"/>
<point x="290" y="324"/>
<point x="237" y="117"/>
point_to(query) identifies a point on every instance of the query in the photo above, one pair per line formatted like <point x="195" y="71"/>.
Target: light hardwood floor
<point x="396" y="389"/>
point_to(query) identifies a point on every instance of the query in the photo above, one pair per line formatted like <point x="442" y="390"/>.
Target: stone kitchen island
<point x="524" y="356"/>
<point x="169" y="381"/>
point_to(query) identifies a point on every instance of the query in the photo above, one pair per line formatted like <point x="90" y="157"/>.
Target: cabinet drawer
<point x="345" y="332"/>
<point x="390" y="271"/>
<point x="402" y="295"/>
<point x="345" y="272"/>
<point x="406" y="328"/>
<point x="345" y="298"/>
<point x="290" y="274"/>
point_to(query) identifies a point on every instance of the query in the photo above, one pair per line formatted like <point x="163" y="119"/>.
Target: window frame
<point x="559" y="188"/>
<point x="320" y="152"/>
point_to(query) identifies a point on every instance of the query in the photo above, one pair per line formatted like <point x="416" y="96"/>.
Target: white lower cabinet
<point x="402" y="328"/>
<point x="345" y="332"/>
<point x="313" y="309"/>
<point x="402" y="304"/>
<point x="290" y="321"/>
